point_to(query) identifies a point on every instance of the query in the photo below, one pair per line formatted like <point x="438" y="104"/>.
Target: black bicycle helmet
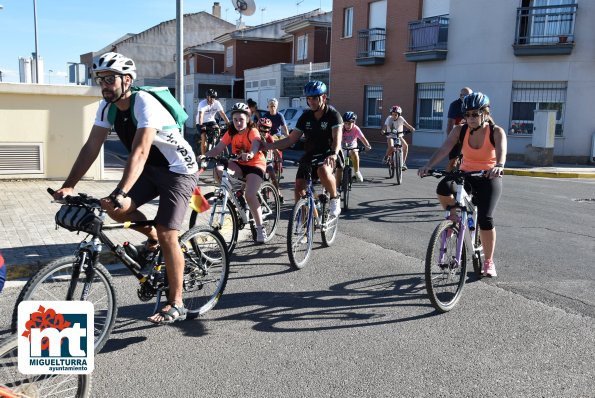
<point x="314" y="88"/>
<point x="349" y="116"/>
<point x="475" y="101"/>
<point x="211" y="93"/>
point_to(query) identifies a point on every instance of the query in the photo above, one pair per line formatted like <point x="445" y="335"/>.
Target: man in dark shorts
<point x="322" y="126"/>
<point x="160" y="164"/>
<point x="455" y="117"/>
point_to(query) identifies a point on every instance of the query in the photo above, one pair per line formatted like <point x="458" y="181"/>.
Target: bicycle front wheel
<point x="228" y="229"/>
<point x="206" y="269"/>
<point x="15" y="384"/>
<point x="445" y="276"/>
<point x="328" y="231"/>
<point x="53" y="281"/>
<point x="346" y="186"/>
<point x="299" y="234"/>
<point x="399" y="166"/>
<point x="271" y="208"/>
<point x="391" y="166"/>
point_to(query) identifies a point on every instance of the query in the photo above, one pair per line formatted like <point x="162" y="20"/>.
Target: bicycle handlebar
<point x="82" y="199"/>
<point x="438" y="173"/>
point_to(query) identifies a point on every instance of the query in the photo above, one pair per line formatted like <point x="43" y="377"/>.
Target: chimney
<point x="217" y="9"/>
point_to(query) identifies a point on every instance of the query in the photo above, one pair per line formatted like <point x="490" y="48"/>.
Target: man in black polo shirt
<point x="322" y="127"/>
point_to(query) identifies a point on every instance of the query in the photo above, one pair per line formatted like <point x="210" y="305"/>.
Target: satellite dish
<point x="244" y="7"/>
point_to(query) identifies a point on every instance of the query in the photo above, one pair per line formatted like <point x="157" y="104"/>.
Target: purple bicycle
<point x="451" y="244"/>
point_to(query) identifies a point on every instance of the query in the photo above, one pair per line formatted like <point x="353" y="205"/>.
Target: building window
<point x="229" y="56"/>
<point x="530" y="96"/>
<point x="348" y="22"/>
<point x="430" y="106"/>
<point x="302" y="50"/>
<point x="372" y="106"/>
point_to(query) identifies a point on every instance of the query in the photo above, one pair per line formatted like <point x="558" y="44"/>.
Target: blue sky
<point x="68" y="28"/>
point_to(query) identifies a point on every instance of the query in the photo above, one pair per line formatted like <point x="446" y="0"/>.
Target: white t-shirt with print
<point x="209" y="110"/>
<point x="393" y="124"/>
<point x="149" y="112"/>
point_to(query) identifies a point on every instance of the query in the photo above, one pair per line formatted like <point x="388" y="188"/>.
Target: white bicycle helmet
<point x="240" y="107"/>
<point x="115" y="62"/>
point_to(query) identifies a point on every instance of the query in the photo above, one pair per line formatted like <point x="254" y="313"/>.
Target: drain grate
<point x="585" y="200"/>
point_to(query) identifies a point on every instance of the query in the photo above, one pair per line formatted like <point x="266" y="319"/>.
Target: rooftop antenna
<point x="262" y="10"/>
<point x="297" y="5"/>
<point x="243" y="7"/>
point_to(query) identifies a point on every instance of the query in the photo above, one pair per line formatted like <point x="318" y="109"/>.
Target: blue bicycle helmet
<point x="349" y="116"/>
<point x="314" y="88"/>
<point x="475" y="101"/>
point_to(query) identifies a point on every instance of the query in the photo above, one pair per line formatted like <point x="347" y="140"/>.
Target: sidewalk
<point x="29" y="237"/>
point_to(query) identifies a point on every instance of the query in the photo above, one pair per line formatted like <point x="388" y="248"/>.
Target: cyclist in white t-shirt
<point x="393" y="125"/>
<point x="205" y="117"/>
<point x="160" y="163"/>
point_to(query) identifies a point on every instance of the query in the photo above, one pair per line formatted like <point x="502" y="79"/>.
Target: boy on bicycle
<point x="322" y="127"/>
<point x="352" y="133"/>
<point x="264" y="127"/>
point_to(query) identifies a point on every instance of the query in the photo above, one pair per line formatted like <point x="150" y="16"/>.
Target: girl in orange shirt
<point x="244" y="139"/>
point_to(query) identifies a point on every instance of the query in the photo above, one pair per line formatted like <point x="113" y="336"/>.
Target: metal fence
<point x="545" y="24"/>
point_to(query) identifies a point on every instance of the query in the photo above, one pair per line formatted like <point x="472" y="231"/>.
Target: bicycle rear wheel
<point x="53" y="281"/>
<point x="206" y="269"/>
<point x="399" y="165"/>
<point x="346" y="186"/>
<point x="478" y="256"/>
<point x="299" y="234"/>
<point x="271" y="209"/>
<point x="445" y="278"/>
<point x="15" y="384"/>
<point x="391" y="166"/>
<point x="229" y="230"/>
<point x="328" y="230"/>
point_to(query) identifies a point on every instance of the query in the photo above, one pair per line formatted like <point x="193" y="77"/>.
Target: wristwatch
<point x="499" y="165"/>
<point x="119" y="191"/>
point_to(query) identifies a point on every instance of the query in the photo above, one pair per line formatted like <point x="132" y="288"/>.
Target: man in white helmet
<point x="160" y="164"/>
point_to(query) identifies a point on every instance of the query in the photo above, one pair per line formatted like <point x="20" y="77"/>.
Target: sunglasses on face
<point x="265" y="130"/>
<point x="109" y="80"/>
<point x="474" y="114"/>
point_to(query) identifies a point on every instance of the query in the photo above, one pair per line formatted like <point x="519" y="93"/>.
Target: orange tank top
<point x="483" y="158"/>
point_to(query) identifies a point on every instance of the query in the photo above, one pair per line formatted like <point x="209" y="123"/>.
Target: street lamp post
<point x="50" y="76"/>
<point x="36" y="49"/>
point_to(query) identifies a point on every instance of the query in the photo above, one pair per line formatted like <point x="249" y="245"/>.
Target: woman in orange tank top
<point x="480" y="151"/>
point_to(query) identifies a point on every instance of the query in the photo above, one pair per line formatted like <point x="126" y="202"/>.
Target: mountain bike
<point x="309" y="213"/>
<point x="14" y="384"/>
<point x="450" y="245"/>
<point x="395" y="161"/>
<point x="83" y="277"/>
<point x="229" y="211"/>
<point x="347" y="175"/>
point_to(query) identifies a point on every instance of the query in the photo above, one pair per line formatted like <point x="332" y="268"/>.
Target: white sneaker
<point x="359" y="177"/>
<point x="261" y="234"/>
<point x="334" y="207"/>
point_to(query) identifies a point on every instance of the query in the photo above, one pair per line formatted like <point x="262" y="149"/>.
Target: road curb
<point x="550" y="174"/>
<point x="25" y="271"/>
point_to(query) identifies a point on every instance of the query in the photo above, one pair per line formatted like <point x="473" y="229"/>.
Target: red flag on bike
<point x="198" y="202"/>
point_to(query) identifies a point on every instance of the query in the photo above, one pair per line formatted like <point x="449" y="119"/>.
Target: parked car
<point x="291" y="116"/>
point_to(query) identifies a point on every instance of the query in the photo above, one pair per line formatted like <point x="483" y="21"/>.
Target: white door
<point x="377" y="19"/>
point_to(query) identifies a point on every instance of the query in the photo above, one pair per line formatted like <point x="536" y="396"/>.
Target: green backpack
<point x="163" y="95"/>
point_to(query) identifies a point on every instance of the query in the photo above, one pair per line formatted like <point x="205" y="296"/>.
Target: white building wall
<point x="480" y="55"/>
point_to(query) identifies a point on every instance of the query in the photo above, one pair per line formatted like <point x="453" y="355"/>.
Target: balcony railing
<point x="428" y="39"/>
<point x="371" y="46"/>
<point x="545" y="30"/>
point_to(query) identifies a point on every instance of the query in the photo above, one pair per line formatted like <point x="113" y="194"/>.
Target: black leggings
<point x="485" y="191"/>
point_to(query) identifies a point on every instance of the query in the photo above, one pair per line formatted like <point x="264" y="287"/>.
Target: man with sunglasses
<point x="322" y="125"/>
<point x="160" y="164"/>
<point x="205" y="117"/>
<point x="483" y="145"/>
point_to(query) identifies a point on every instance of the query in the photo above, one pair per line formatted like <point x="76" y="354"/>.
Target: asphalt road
<point x="356" y="321"/>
